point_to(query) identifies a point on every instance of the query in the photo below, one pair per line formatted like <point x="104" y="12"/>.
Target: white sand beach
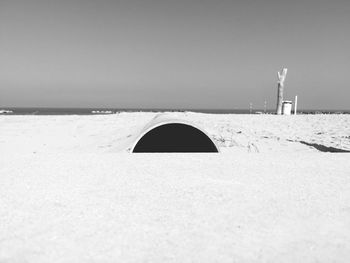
<point x="71" y="191"/>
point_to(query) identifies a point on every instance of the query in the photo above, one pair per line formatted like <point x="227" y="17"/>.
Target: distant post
<point x="295" y="105"/>
<point x="281" y="78"/>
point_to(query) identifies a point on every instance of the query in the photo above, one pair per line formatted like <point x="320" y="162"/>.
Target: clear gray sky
<point x="217" y="54"/>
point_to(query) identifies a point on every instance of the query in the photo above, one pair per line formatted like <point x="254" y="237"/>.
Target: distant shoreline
<point x="95" y="111"/>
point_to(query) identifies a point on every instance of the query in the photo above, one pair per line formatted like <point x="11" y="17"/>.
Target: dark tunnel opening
<point x="175" y="137"/>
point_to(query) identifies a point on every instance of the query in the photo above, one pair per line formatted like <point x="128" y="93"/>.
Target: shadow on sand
<point x="323" y="148"/>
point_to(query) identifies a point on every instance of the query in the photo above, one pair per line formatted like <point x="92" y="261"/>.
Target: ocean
<point x="93" y="111"/>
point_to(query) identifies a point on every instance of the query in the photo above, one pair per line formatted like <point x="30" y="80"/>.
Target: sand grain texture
<point x="71" y="192"/>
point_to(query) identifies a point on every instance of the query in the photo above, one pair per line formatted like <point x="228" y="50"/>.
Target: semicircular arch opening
<point x="174" y="137"/>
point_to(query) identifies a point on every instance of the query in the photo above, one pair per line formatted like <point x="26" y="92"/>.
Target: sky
<point x="178" y="54"/>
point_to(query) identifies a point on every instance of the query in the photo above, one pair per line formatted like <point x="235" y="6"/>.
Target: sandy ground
<point x="114" y="133"/>
<point x="71" y="192"/>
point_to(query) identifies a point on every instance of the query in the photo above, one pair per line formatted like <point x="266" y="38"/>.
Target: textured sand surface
<point x="114" y="133"/>
<point x="70" y="191"/>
